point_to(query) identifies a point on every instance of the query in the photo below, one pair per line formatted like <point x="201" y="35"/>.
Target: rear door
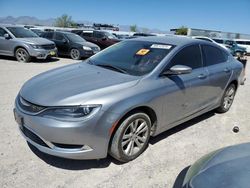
<point x="219" y="69"/>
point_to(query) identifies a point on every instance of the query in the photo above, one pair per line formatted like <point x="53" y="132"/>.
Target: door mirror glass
<point x="104" y="38"/>
<point x="64" y="41"/>
<point x="178" y="69"/>
<point x="7" y="36"/>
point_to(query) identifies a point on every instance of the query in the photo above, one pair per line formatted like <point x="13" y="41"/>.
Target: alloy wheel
<point x="134" y="137"/>
<point x="229" y="97"/>
<point x="22" y="55"/>
<point x="75" y="54"/>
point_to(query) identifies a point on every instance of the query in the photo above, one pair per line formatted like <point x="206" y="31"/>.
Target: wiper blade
<point x="118" y="69"/>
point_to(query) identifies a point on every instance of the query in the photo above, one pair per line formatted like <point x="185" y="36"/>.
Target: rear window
<point x="213" y="55"/>
<point x="240" y="42"/>
<point x="87" y="34"/>
<point x="218" y="40"/>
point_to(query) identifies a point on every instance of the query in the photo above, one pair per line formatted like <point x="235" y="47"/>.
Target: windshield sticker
<point x="142" y="52"/>
<point x="161" y="46"/>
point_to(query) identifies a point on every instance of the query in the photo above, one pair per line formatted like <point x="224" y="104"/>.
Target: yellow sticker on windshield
<point x="142" y="52"/>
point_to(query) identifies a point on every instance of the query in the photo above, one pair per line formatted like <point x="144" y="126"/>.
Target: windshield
<point x="74" y="38"/>
<point x="110" y="36"/>
<point x="133" y="57"/>
<point x="20" y="32"/>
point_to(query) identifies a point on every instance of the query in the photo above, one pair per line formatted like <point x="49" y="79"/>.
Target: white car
<point x="244" y="43"/>
<point x="211" y="40"/>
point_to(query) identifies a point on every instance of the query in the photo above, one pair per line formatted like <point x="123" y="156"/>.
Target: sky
<point x="223" y="15"/>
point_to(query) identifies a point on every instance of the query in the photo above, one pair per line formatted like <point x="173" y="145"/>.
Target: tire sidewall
<point x="28" y="55"/>
<point x="222" y="109"/>
<point x="79" y="57"/>
<point x="124" y="127"/>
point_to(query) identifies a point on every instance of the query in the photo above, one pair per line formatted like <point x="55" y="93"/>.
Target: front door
<point x="185" y="94"/>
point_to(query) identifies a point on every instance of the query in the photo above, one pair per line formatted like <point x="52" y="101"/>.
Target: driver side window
<point x="189" y="56"/>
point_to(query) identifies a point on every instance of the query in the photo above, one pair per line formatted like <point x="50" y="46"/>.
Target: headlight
<point x="86" y="48"/>
<point x="73" y="113"/>
<point x="36" y="46"/>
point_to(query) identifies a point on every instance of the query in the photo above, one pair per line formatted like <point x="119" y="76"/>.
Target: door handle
<point x="227" y="70"/>
<point x="202" y="76"/>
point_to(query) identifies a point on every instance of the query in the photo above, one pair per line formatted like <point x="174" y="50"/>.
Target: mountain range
<point x="31" y="20"/>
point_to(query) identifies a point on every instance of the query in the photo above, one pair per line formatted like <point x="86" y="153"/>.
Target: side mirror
<point x="7" y="36"/>
<point x="64" y="41"/>
<point x="178" y="69"/>
<point x="104" y="38"/>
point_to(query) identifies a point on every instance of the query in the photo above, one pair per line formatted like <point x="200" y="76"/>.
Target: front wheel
<point x="131" y="138"/>
<point x="75" y="54"/>
<point x="22" y="55"/>
<point x="227" y="99"/>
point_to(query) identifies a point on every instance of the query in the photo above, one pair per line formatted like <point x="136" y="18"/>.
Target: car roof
<point x="10" y="25"/>
<point x="241" y="39"/>
<point x="62" y="32"/>
<point x="174" y="40"/>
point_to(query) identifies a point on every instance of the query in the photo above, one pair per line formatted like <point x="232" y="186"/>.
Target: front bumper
<point x="74" y="140"/>
<point x="42" y="53"/>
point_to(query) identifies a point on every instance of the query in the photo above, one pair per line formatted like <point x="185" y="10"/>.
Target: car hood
<point x="228" y="168"/>
<point x="75" y="85"/>
<point x="35" y="40"/>
<point x="89" y="44"/>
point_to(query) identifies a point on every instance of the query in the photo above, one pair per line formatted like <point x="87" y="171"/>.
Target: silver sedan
<point x="113" y="102"/>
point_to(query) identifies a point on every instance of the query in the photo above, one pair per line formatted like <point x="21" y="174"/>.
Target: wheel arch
<point x="145" y="109"/>
<point x="20" y="46"/>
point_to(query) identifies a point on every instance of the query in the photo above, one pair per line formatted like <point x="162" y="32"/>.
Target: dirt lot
<point x="167" y="155"/>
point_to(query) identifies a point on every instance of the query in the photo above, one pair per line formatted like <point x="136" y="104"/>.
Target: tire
<point x="227" y="99"/>
<point x="22" y="55"/>
<point x="131" y="138"/>
<point x="75" y="54"/>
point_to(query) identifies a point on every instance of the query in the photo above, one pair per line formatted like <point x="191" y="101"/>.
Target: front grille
<point x="33" y="136"/>
<point x="48" y="46"/>
<point x="29" y="107"/>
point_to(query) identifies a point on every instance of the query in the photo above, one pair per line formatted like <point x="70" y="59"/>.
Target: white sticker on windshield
<point x="161" y="46"/>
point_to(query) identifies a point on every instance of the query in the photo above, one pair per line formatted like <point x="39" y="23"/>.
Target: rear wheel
<point x="227" y="99"/>
<point x="75" y="54"/>
<point x="22" y="55"/>
<point x="131" y="138"/>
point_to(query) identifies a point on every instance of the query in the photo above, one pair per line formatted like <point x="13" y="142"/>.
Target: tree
<point x="64" y="21"/>
<point x="133" y="28"/>
<point x="181" y="31"/>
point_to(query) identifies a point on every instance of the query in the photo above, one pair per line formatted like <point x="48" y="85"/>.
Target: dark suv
<point x="72" y="45"/>
<point x="103" y="39"/>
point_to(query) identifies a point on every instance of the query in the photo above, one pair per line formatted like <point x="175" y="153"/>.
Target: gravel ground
<point x="167" y="156"/>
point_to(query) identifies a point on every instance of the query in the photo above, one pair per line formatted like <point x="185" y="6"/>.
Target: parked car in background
<point x="72" y="45"/>
<point x="103" y="39"/>
<point x="37" y="31"/>
<point x="114" y="101"/>
<point x="227" y="167"/>
<point x="245" y="43"/>
<point x="210" y="40"/>
<point x="23" y="44"/>
<point x="143" y="35"/>
<point x="236" y="50"/>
